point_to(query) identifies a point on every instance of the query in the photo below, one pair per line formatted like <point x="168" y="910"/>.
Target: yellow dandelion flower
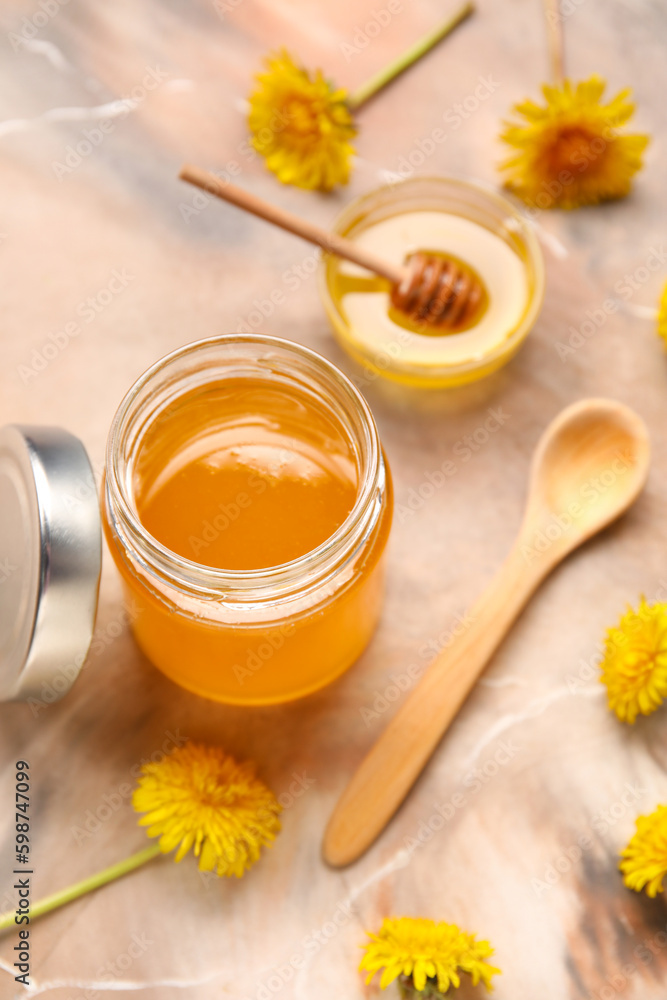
<point x="200" y="798"/>
<point x="571" y="151"/>
<point x="644" y="863"/>
<point x="426" y="957"/>
<point x="662" y="315"/>
<point x="196" y="797"/>
<point x="634" y="667"/>
<point x="301" y="125"/>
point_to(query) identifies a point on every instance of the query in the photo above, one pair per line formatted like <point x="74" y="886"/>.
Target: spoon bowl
<point x="589" y="467"/>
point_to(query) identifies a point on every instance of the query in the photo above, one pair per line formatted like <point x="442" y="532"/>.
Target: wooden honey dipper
<point x="431" y="290"/>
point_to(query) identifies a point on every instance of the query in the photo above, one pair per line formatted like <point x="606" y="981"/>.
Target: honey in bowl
<point x="482" y="235"/>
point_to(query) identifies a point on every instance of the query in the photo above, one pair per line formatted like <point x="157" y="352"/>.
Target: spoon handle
<point x="388" y="772"/>
<point x="330" y="242"/>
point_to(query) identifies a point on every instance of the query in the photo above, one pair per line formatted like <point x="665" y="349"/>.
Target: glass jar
<point x="472" y="225"/>
<point x="263" y="635"/>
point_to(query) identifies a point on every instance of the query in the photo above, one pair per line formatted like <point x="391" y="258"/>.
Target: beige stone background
<point x="119" y="209"/>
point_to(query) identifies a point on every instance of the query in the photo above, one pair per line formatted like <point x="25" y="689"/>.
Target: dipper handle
<point x="308" y="231"/>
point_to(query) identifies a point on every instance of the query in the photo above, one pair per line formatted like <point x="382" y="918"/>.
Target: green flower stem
<point x="556" y="41"/>
<point x="87" y="885"/>
<point x="419" y="49"/>
<point x="409" y="991"/>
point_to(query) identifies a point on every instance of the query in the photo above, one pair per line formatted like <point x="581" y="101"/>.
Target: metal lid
<point x="50" y="561"/>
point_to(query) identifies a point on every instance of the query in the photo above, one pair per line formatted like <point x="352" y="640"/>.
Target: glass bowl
<point x="465" y="220"/>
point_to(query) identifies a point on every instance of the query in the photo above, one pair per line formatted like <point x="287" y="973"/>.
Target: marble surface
<point x="569" y="770"/>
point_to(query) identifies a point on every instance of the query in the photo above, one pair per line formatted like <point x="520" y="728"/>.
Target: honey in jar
<point x="248" y="506"/>
<point x="244" y="476"/>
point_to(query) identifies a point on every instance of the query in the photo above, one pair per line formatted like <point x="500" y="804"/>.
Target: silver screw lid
<point x="50" y="560"/>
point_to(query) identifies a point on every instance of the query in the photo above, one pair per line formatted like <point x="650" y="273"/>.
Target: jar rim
<point x="264" y="582"/>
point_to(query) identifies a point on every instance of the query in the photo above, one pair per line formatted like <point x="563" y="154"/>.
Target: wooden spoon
<point x="434" y="291"/>
<point x="589" y="467"/>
